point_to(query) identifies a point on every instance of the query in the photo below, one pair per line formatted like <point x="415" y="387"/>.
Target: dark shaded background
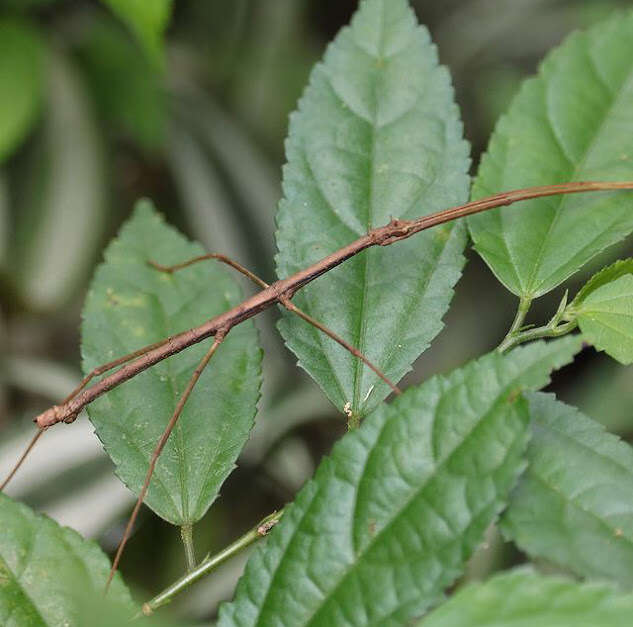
<point x="204" y="140"/>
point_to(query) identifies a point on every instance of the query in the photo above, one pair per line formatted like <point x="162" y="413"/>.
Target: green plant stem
<point x="211" y="563"/>
<point x="519" y="319"/>
<point x="536" y="334"/>
<point x="186" y="533"/>
<point x="353" y="422"/>
<point x="553" y="328"/>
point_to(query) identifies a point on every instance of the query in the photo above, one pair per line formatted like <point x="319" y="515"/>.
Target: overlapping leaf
<point x="131" y="305"/>
<point x="526" y="599"/>
<point x="45" y="570"/>
<point x="390" y="518"/>
<point x="573" y="122"/>
<point x="21" y="59"/>
<point x="377" y="135"/>
<point x="574" y="503"/>
<point x="604" y="310"/>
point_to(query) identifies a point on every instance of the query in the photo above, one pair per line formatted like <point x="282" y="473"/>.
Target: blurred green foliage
<point x="21" y="59"/>
<point x="187" y="103"/>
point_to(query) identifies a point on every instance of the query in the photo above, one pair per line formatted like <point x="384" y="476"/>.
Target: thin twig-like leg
<point x="286" y="302"/>
<point x="159" y="449"/>
<point x="354" y="351"/>
<point x="112" y="364"/>
<point x="219" y="257"/>
<point x="28" y="449"/>
<point x="82" y="384"/>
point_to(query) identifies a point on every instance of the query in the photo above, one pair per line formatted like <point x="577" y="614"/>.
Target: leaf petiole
<point x="186" y="533"/>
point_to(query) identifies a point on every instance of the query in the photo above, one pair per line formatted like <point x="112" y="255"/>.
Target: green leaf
<point x="573" y="122"/>
<point x="610" y="273"/>
<point x="45" y="570"/>
<point x="391" y="517"/>
<point x="21" y="59"/>
<point x="604" y="310"/>
<point x="147" y="20"/>
<point x="573" y="504"/>
<point x="61" y="206"/>
<point x="525" y="599"/>
<point x="377" y="135"/>
<point x="606" y="318"/>
<point x="131" y="305"/>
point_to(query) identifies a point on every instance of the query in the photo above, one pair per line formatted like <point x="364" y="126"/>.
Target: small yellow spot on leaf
<point x="442" y="235"/>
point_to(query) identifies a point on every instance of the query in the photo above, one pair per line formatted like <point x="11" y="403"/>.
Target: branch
<point x="391" y="233"/>
<point x="211" y="563"/>
<point x="558" y="326"/>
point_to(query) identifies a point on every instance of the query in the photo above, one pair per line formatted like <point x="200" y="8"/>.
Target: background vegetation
<point x="96" y="112"/>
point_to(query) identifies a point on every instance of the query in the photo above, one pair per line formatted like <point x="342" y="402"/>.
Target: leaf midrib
<point x="500" y="397"/>
<point x="389" y="354"/>
<point x="178" y="441"/>
<point x="181" y="447"/>
<point x="361" y="336"/>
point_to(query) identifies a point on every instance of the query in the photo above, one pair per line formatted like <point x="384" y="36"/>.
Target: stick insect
<point x="280" y="292"/>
